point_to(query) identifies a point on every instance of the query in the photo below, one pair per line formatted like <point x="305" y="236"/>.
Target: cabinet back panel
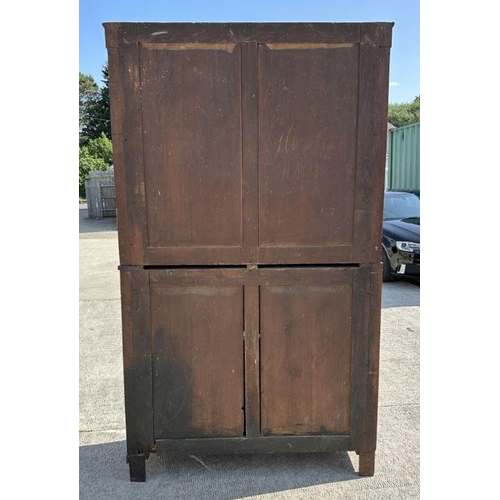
<point x="197" y="361"/>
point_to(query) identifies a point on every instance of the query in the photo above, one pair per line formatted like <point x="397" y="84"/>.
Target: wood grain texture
<point x="117" y="107"/>
<point x="250" y="146"/>
<point x="248" y="32"/>
<point x="339" y="254"/>
<point x="274" y="276"/>
<point x="305" y="254"/>
<point x="191" y="114"/>
<point x="197" y="361"/>
<point x="371" y="143"/>
<point x="367" y="286"/>
<point x="137" y="361"/>
<point x="270" y="444"/>
<point x="265" y="171"/>
<point x="132" y="148"/>
<point x="252" y="362"/>
<point x="307" y="147"/>
<point x="307" y="46"/>
<point x="261" y="144"/>
<point x="198" y="256"/>
<point x="380" y="151"/>
<point x="305" y="359"/>
<point x="359" y="359"/>
<point x="367" y="463"/>
<point x="227" y="47"/>
<point x="112" y="35"/>
<point x="375" y="308"/>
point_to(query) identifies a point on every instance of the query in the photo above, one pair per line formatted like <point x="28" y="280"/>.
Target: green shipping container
<point x="403" y="159"/>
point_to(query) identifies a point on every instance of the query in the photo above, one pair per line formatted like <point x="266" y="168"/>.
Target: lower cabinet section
<point x="241" y="360"/>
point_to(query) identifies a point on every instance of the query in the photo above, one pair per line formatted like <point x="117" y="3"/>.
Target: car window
<point x="401" y="206"/>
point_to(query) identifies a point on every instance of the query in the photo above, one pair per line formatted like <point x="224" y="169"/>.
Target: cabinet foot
<point x="366" y="463"/>
<point x="137" y="464"/>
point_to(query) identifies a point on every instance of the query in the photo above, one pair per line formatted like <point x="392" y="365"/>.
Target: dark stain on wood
<point x="172" y="387"/>
<point x="271" y="444"/>
<point x="137" y="361"/>
<point x="259" y="146"/>
<point x="198" y="364"/>
<point x="137" y="464"/>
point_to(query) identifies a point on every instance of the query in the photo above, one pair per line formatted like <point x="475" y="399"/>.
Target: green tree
<point x="95" y="117"/>
<point x="97" y="154"/>
<point x="89" y="95"/>
<point x="105" y="107"/>
<point x="404" y="113"/>
<point x="100" y="148"/>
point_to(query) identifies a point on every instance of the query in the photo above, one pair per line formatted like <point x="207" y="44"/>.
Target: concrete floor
<point x="104" y="473"/>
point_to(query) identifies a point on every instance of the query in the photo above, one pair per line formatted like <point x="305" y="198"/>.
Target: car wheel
<point x="387" y="274"/>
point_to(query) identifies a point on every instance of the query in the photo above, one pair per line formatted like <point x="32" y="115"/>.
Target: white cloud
<point x="393" y="84"/>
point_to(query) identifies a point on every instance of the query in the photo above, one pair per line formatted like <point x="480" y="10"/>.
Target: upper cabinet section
<point x="249" y="143"/>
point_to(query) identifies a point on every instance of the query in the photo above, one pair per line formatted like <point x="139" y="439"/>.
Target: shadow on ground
<point x="108" y="224"/>
<point x="105" y="474"/>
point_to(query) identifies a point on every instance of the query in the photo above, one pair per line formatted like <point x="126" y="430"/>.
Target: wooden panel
<point x="367" y="288"/>
<point x="191" y="124"/>
<point x="137" y="361"/>
<point x="307" y="119"/>
<point x="305" y="359"/>
<point x="367" y="463"/>
<point x="380" y="153"/>
<point x="191" y="113"/>
<point x="359" y="355"/>
<point x="252" y="362"/>
<point x="338" y="254"/>
<point x="371" y="143"/>
<point x="243" y="276"/>
<point x="273" y="444"/>
<point x="375" y="308"/>
<point x="197" y="361"/>
<point x="198" y="256"/>
<point x="116" y="96"/>
<point x="126" y="126"/>
<point x="250" y="145"/>
<point x="246" y="32"/>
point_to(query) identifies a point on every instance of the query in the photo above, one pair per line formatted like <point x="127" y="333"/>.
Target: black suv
<point x="401" y="235"/>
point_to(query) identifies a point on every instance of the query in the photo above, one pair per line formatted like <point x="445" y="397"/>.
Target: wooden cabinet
<point x="249" y="166"/>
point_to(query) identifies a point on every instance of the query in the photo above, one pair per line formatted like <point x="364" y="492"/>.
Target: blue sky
<point x="405" y="53"/>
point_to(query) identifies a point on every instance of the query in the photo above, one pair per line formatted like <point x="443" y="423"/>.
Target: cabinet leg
<point x="137" y="464"/>
<point x="367" y="463"/>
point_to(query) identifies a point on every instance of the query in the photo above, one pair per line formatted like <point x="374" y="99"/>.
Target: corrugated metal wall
<point x="403" y="158"/>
